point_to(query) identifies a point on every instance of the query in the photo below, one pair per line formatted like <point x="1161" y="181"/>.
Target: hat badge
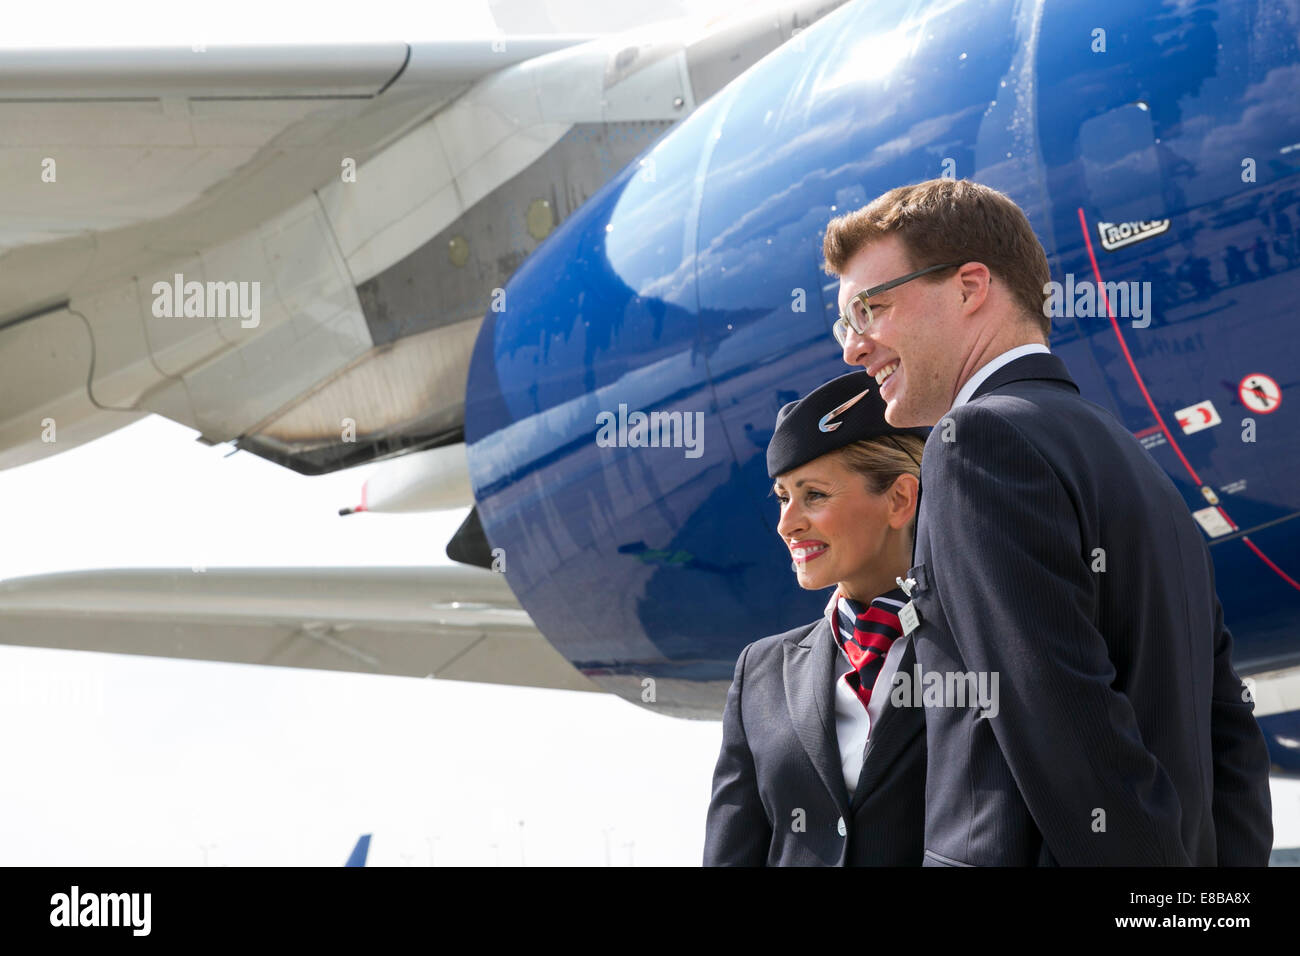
<point x="826" y="425"/>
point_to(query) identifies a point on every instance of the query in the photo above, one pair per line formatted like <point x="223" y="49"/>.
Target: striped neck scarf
<point x="865" y="633"/>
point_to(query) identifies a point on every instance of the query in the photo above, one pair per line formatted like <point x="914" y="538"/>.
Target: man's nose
<point x="857" y="349"/>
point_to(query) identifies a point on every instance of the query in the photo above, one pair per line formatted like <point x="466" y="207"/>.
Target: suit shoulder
<point x="982" y="428"/>
<point x="1022" y="412"/>
<point x="1030" y="404"/>
<point x="766" y="647"/>
<point x="1010" y="407"/>
<point x="1040" y="415"/>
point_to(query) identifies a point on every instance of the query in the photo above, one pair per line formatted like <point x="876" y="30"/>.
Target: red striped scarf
<point x="865" y="634"/>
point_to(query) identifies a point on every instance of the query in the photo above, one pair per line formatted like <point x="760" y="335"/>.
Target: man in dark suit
<point x="1053" y="559"/>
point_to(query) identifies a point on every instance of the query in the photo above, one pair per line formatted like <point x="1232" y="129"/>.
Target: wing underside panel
<point x="448" y="622"/>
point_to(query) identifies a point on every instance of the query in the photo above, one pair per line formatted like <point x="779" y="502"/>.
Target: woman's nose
<point x="790" y="523"/>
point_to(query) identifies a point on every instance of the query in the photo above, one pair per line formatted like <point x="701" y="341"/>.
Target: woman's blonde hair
<point x="881" y="460"/>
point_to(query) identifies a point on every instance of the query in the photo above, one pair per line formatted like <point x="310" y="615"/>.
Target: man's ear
<point x="974" y="278"/>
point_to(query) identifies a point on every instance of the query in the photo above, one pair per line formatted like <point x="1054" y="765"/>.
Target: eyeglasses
<point x="857" y="314"/>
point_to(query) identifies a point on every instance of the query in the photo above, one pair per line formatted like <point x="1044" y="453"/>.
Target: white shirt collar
<point x="978" y="379"/>
<point x="830" y="609"/>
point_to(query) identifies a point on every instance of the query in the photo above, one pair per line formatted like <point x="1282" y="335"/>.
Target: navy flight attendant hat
<point x="831" y="416"/>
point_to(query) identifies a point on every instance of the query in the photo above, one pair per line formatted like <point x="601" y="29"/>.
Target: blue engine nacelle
<point x="691" y="286"/>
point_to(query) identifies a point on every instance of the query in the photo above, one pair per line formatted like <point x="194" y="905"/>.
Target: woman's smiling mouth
<point x="808" y="552"/>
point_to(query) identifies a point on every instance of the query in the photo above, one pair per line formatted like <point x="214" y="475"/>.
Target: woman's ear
<point x="902" y="500"/>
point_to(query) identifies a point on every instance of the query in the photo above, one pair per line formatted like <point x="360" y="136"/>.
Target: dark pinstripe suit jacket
<point x="778" y="790"/>
<point x="1123" y="735"/>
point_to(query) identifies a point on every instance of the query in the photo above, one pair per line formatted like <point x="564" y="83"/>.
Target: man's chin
<point x="901" y="415"/>
<point x="896" y="414"/>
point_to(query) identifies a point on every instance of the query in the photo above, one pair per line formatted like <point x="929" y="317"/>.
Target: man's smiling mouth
<point x="887" y="371"/>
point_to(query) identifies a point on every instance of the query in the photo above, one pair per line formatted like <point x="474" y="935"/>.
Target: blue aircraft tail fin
<point x="358" y="857"/>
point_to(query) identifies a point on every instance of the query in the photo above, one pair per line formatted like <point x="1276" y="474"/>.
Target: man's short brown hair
<point x="950" y="220"/>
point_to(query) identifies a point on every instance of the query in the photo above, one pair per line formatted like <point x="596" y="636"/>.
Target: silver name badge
<point x="909" y="617"/>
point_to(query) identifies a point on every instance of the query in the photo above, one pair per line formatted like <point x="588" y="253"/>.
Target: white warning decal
<point x="1260" y="393"/>
<point x="1193" y="418"/>
<point x="1214" y="522"/>
<point x="1117" y="235"/>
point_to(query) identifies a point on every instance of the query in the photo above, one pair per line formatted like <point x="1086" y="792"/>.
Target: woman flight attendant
<point x="818" y="766"/>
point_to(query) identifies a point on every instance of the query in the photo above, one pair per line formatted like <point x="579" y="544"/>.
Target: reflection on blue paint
<point x="692" y="283"/>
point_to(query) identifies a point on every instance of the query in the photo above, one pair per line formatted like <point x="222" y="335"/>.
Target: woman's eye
<point x="808" y="495"/>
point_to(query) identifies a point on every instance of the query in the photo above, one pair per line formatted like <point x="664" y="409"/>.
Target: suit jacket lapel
<point x="1035" y="365"/>
<point x="809" y="671"/>
<point x="890" y="736"/>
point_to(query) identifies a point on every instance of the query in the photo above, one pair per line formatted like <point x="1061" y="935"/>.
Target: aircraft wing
<point x="455" y="623"/>
<point x="292" y="247"/>
<point x="295" y="173"/>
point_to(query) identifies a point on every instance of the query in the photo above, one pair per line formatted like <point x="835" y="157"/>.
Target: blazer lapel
<point x="809" y="672"/>
<point x="891" y="735"/>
